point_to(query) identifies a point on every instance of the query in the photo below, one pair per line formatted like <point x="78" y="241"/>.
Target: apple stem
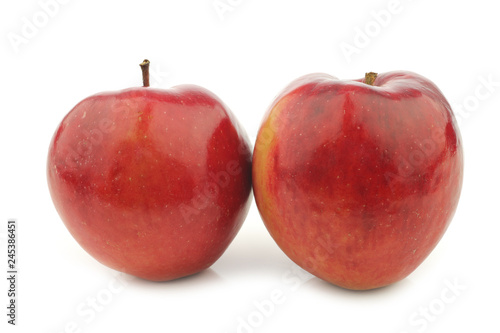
<point x="145" y="72"/>
<point x="370" y="78"/>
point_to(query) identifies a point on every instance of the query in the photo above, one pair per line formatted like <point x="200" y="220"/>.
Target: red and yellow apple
<point x="358" y="180"/>
<point x="154" y="183"/>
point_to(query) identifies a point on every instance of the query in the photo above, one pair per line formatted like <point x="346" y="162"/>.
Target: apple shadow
<point x="207" y="276"/>
<point x="394" y="289"/>
<point x="263" y="258"/>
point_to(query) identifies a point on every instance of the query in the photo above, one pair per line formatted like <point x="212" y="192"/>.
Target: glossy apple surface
<point x="154" y="183"/>
<point x="358" y="182"/>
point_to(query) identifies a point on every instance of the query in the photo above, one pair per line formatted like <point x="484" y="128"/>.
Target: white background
<point x="245" y="56"/>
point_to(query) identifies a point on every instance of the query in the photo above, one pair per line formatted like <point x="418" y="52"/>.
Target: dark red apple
<point x="357" y="181"/>
<point x="154" y="183"/>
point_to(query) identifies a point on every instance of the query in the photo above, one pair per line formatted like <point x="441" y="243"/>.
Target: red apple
<point x="154" y="183"/>
<point x="358" y="180"/>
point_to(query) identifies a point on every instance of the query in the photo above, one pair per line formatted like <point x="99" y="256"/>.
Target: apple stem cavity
<point x="370" y="78"/>
<point x="145" y="72"/>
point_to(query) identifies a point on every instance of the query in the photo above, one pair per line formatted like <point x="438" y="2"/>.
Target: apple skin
<point x="154" y="183"/>
<point x="357" y="183"/>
